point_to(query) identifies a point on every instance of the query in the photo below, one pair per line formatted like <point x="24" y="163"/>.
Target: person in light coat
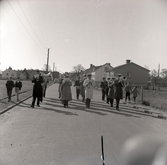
<point x="88" y="84"/>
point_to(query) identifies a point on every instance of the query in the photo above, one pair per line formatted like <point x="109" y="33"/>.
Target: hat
<point x="113" y="78"/>
<point x="104" y="78"/>
<point x="37" y="70"/>
<point x="108" y="78"/>
<point x="84" y="75"/>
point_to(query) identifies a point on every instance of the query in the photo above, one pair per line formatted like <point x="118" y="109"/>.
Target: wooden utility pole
<point x="47" y="65"/>
<point x="158" y="77"/>
<point x="53" y="66"/>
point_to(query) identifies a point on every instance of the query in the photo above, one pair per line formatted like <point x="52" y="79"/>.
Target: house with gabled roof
<point x="134" y="73"/>
<point x="98" y="72"/>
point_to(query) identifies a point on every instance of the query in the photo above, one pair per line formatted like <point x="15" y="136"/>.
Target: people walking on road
<point x="111" y="91"/>
<point x="128" y="91"/>
<point x="135" y="93"/>
<point x="66" y="94"/>
<point x="88" y="84"/>
<point x="82" y="88"/>
<point x="103" y="86"/>
<point x="37" y="89"/>
<point x="77" y="85"/>
<point x="119" y="84"/>
<point x="18" y="86"/>
<point x="9" y="87"/>
<point x="107" y="89"/>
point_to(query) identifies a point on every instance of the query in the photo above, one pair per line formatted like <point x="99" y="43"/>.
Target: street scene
<point x="51" y="134"/>
<point x="83" y="82"/>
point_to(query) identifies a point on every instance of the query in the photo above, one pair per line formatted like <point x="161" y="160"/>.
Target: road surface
<point x="54" y="135"/>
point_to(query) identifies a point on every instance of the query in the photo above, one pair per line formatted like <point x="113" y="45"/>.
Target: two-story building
<point x="134" y="73"/>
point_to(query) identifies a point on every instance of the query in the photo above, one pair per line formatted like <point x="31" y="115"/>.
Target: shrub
<point x="147" y="103"/>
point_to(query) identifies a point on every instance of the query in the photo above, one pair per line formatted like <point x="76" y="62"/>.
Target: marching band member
<point x="88" y="84"/>
<point x="106" y="90"/>
<point x="82" y="88"/>
<point x="66" y="95"/>
<point x="77" y="85"/>
<point x="119" y="84"/>
<point x="37" y="88"/>
<point x="111" y="92"/>
<point x="103" y="86"/>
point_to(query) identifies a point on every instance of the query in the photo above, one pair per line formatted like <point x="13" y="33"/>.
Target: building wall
<point x="135" y="74"/>
<point x="101" y="72"/>
<point x="9" y="73"/>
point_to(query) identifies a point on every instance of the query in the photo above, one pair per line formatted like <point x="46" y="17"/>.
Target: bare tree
<point x="78" y="69"/>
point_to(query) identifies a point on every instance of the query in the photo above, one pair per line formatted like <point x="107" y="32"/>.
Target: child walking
<point x="135" y="93"/>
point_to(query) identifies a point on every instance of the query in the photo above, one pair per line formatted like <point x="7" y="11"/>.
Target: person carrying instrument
<point x="119" y="84"/>
<point x="88" y="84"/>
<point x="111" y="91"/>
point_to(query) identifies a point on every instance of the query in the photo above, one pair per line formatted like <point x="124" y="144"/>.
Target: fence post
<point x="141" y="95"/>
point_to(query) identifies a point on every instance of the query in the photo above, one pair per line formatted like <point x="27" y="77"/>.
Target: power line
<point x="36" y="21"/>
<point x="29" y="23"/>
<point x="23" y="25"/>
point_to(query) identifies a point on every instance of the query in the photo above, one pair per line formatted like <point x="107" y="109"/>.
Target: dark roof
<point x="120" y="66"/>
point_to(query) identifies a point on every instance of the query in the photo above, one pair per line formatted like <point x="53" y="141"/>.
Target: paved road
<point x="53" y="135"/>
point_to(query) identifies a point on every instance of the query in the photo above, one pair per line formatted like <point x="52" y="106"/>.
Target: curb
<point x="12" y="106"/>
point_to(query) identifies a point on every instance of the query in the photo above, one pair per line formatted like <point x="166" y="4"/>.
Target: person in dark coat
<point x="77" y="85"/>
<point x="111" y="91"/>
<point x="103" y="86"/>
<point x="9" y="87"/>
<point x="37" y="89"/>
<point x="82" y="88"/>
<point x="118" y="90"/>
<point x="66" y="94"/>
<point x="128" y="91"/>
<point x="59" y="88"/>
<point x="18" y="86"/>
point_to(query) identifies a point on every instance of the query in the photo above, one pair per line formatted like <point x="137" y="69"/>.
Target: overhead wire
<point x="36" y="21"/>
<point x="24" y="26"/>
<point x="29" y="23"/>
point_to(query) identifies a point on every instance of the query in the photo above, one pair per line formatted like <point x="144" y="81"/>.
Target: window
<point x="6" y="74"/>
<point x="128" y="75"/>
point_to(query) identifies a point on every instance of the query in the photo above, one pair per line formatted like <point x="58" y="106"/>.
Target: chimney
<point x="91" y="65"/>
<point x="127" y="61"/>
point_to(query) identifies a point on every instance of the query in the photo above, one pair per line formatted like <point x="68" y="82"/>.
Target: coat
<point x="18" y="84"/>
<point x="88" y="84"/>
<point x="82" y="88"/>
<point x="37" y="88"/>
<point x="9" y="84"/>
<point x="118" y="90"/>
<point x="66" y="90"/>
<point x="111" y="92"/>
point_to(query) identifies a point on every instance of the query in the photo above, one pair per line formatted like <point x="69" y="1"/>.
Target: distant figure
<point x="37" y="89"/>
<point x="44" y="85"/>
<point x="66" y="94"/>
<point x="59" y="88"/>
<point x="9" y="87"/>
<point x="128" y="91"/>
<point x="88" y="84"/>
<point x="119" y="84"/>
<point x="82" y="88"/>
<point x="135" y="93"/>
<point x="111" y="91"/>
<point x="77" y="85"/>
<point x="18" y="86"/>
<point x="103" y="86"/>
<point x="106" y="90"/>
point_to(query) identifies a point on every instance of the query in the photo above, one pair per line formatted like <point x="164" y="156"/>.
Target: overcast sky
<point x="82" y="32"/>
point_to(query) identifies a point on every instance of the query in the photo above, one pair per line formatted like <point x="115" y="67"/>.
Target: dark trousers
<point x="87" y="102"/>
<point x="34" y="99"/>
<point x="9" y="93"/>
<point x="44" y="91"/>
<point x="103" y="93"/>
<point x="127" y="96"/>
<point x="77" y="93"/>
<point x="83" y="99"/>
<point x="65" y="102"/>
<point x="134" y="99"/>
<point x="111" y="102"/>
<point x="117" y="103"/>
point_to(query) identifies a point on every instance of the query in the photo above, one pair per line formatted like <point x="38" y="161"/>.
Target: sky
<point x="82" y="32"/>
